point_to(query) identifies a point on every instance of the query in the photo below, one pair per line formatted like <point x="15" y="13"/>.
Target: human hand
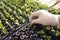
<point x="43" y="17"/>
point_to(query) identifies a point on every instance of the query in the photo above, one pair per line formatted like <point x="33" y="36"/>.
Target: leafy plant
<point x="12" y="12"/>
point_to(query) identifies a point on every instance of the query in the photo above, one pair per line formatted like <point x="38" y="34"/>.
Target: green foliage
<point x="3" y="29"/>
<point x="11" y="10"/>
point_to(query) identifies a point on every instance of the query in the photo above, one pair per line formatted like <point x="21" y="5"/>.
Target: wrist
<point x="57" y="19"/>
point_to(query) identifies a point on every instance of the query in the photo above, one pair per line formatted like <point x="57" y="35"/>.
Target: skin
<point x="44" y="17"/>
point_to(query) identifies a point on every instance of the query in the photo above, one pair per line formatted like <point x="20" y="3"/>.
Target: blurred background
<point x="53" y="3"/>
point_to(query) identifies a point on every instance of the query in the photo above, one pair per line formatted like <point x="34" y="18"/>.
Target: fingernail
<point x="30" y="24"/>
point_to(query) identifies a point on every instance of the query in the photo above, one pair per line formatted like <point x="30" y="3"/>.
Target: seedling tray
<point x="14" y="21"/>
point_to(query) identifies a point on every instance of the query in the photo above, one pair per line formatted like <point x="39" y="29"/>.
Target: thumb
<point x="36" y="21"/>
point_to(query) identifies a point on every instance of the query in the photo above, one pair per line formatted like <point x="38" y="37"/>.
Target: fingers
<point x="34" y="15"/>
<point x="36" y="21"/>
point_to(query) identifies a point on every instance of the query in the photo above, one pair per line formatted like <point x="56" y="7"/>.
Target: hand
<point x="43" y="17"/>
